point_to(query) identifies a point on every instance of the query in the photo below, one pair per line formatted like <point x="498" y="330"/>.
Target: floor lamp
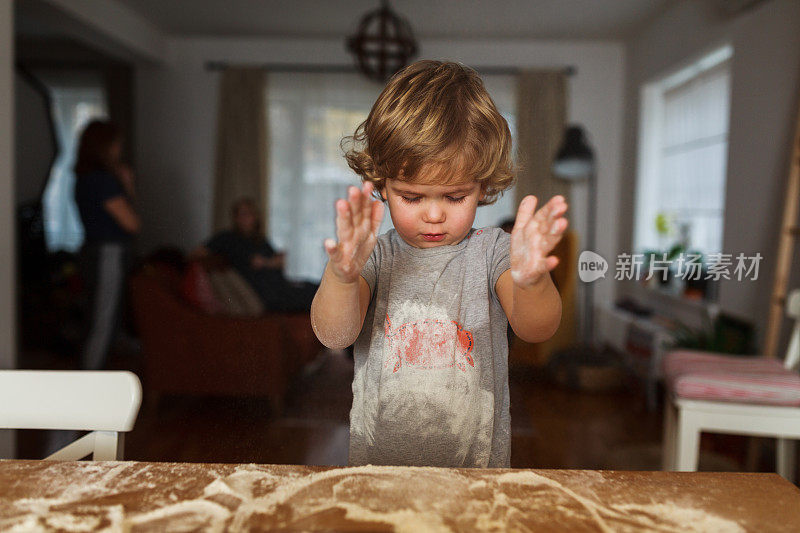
<point x="575" y="162"/>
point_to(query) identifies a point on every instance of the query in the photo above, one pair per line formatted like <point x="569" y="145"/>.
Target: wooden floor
<point x="552" y="426"/>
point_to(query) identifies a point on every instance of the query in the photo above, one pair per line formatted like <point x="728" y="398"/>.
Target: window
<point x="75" y="102"/>
<point x="682" y="157"/>
<point x="309" y="114"/>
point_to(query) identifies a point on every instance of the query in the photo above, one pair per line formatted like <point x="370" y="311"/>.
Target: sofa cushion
<point x="719" y="377"/>
<point x="197" y="289"/>
<point x="235" y="294"/>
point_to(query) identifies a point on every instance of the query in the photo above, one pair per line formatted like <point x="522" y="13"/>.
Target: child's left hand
<point x="535" y="234"/>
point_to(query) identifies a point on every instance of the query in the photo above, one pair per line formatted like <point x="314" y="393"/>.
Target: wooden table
<point x="137" y="496"/>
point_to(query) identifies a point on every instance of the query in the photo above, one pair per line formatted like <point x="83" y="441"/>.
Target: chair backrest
<point x="50" y="399"/>
<point x="792" y="357"/>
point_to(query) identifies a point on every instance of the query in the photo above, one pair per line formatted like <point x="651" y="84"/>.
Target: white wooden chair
<point x="736" y="395"/>
<point x="104" y="403"/>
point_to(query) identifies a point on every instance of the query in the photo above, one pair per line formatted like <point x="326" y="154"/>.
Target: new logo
<point x="591" y="266"/>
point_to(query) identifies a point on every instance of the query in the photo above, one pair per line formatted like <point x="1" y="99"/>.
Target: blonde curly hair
<point x="434" y="123"/>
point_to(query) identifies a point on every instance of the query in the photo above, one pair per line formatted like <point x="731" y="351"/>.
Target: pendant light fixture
<point x="383" y="43"/>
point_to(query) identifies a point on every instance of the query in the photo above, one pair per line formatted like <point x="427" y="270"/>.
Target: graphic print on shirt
<point x="429" y="391"/>
<point x="428" y="343"/>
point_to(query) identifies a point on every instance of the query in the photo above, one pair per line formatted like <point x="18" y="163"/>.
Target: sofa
<point x="189" y="351"/>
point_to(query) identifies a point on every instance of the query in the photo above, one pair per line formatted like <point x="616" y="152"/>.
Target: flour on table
<point x="661" y="516"/>
<point x="368" y="497"/>
<point x="684" y="518"/>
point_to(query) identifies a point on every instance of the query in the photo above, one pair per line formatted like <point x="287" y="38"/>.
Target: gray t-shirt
<point x="431" y="362"/>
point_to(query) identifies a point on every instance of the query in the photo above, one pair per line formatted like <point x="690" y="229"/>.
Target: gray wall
<point x="764" y="98"/>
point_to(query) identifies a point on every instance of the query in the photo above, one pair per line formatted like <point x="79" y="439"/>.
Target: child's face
<point x="426" y="216"/>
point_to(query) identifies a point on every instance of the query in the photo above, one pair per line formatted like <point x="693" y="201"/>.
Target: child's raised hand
<point x="535" y="234"/>
<point x="357" y="222"/>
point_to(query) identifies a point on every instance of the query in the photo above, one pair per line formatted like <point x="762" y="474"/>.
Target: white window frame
<point x="651" y="128"/>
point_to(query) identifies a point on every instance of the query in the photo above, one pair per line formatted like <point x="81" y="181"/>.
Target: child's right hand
<point x="357" y="222"/>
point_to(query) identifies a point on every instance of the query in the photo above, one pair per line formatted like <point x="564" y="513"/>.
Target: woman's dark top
<point x="92" y="190"/>
<point x="239" y="249"/>
<point x="275" y="291"/>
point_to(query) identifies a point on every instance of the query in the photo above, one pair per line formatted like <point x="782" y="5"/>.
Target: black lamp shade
<point x="575" y="159"/>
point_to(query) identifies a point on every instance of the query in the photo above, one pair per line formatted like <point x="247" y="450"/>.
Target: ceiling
<point x="532" y="19"/>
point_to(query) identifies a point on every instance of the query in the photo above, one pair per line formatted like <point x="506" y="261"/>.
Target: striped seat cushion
<point x="711" y="376"/>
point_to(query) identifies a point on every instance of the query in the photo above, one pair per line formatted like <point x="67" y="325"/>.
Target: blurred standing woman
<point x="104" y="193"/>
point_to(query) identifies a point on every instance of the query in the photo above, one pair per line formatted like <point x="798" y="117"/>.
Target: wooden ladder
<point x="789" y="232"/>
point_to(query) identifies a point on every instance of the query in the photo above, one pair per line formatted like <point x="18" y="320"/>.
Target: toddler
<point x="427" y="304"/>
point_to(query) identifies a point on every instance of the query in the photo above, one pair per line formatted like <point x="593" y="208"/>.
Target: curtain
<point x="309" y="113"/>
<point x="242" y="134"/>
<point x="541" y="119"/>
